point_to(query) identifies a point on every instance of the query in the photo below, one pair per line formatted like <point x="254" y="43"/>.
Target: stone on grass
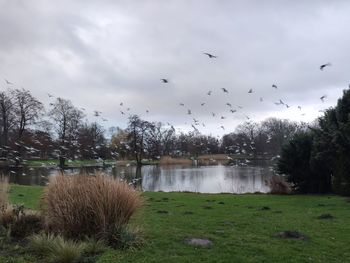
<point x="199" y="242"/>
<point x="292" y="235"/>
<point x="326" y="216"/>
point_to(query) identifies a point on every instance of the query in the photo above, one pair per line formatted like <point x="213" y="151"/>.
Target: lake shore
<point x="243" y="228"/>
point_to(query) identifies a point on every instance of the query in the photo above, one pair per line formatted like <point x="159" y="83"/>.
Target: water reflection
<point x="202" y="179"/>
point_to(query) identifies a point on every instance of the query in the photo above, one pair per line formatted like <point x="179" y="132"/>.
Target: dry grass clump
<point x="78" y="206"/>
<point x="56" y="248"/>
<point x="167" y="160"/>
<point x="279" y="186"/>
<point x="4" y="190"/>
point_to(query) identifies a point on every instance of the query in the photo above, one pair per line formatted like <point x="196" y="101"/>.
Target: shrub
<point x="56" y="248"/>
<point x="77" y="206"/>
<point x="4" y="189"/>
<point x="279" y="186"/>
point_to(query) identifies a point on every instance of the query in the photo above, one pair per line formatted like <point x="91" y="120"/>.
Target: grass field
<point x="71" y="163"/>
<point x="241" y="227"/>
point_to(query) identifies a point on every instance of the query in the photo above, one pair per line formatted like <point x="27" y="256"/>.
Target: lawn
<point x="68" y="163"/>
<point x="241" y="227"/>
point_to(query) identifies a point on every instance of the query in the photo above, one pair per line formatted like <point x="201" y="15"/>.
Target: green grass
<point x="72" y="163"/>
<point x="240" y="230"/>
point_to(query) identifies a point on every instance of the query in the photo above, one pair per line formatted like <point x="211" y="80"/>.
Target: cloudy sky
<point x="101" y="53"/>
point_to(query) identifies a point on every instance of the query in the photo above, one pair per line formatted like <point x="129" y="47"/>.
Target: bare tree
<point x="138" y="130"/>
<point x="67" y="119"/>
<point x="6" y="119"/>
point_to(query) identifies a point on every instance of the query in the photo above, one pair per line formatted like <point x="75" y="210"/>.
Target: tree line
<point x="317" y="160"/>
<point x="29" y="131"/>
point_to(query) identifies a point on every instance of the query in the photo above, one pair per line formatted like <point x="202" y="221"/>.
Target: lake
<point x="202" y="179"/>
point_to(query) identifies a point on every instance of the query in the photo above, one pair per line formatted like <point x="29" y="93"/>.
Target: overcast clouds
<point x="101" y="53"/>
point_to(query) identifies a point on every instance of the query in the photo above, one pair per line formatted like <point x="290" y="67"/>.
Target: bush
<point x="4" y="189"/>
<point x="20" y="223"/>
<point x="77" y="206"/>
<point x="279" y="186"/>
<point x="56" y="248"/>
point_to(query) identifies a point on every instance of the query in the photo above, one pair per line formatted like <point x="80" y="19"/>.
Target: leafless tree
<point x="67" y="120"/>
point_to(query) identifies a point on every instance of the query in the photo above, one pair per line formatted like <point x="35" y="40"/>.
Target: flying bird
<point x="209" y="92"/>
<point x="299" y="107"/>
<point x="164" y="80"/>
<point x="224" y="90"/>
<point x="203" y="103"/>
<point x="182" y="104"/>
<point x="233" y="111"/>
<point x="274" y="86"/>
<point x="229" y="104"/>
<point x="325" y="65"/>
<point x="222" y="127"/>
<point x="8" y="82"/>
<point x="121" y="104"/>
<point x="222" y="117"/>
<point x="281" y="102"/>
<point x="209" y="55"/>
<point x="323" y="97"/>
<point x="261" y="99"/>
<point x="50" y="96"/>
<point x="189" y="112"/>
<point x="250" y="91"/>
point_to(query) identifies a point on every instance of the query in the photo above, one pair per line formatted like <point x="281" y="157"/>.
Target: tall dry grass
<point x="279" y="186"/>
<point x="77" y="206"/>
<point x="167" y="160"/>
<point x="4" y="190"/>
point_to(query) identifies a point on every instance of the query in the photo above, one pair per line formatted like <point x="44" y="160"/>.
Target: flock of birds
<point x="195" y="122"/>
<point x="231" y="109"/>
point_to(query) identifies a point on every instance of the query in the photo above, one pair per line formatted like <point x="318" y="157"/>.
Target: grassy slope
<point x="240" y="230"/>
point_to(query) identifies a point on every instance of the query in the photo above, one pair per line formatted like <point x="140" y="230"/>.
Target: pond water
<point x="202" y="179"/>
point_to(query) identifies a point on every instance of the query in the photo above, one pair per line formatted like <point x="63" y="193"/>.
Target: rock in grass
<point x="325" y="216"/>
<point x="292" y="235"/>
<point x="199" y="242"/>
<point x="221" y="203"/>
<point x="162" y="212"/>
<point x="188" y="213"/>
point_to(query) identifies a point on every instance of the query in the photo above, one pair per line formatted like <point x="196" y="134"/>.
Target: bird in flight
<point x="224" y="90"/>
<point x="97" y="113"/>
<point x="147" y="111"/>
<point x="181" y="104"/>
<point x="165" y="80"/>
<point x="121" y="104"/>
<point x="209" y="55"/>
<point x="189" y="112"/>
<point x="229" y="104"/>
<point x="209" y="92"/>
<point x="274" y="86"/>
<point x="222" y="117"/>
<point x="8" y="82"/>
<point x="233" y="111"/>
<point x="222" y="127"/>
<point x="122" y="112"/>
<point x="213" y="114"/>
<point x="261" y="99"/>
<point x="325" y="65"/>
<point x="323" y="97"/>
<point x="281" y="102"/>
<point x="203" y="103"/>
<point x="50" y="96"/>
<point x="250" y="91"/>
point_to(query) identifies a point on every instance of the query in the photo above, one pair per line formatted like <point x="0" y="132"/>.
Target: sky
<point x="99" y="54"/>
